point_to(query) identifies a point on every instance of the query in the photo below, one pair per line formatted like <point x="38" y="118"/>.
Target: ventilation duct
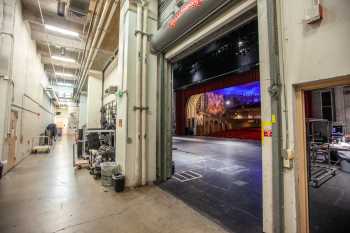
<point x="79" y="7"/>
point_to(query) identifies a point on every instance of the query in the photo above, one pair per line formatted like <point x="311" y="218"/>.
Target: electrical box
<point x="111" y="90"/>
<point x="314" y="13"/>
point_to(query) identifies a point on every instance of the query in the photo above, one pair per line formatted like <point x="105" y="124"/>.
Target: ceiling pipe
<point x="92" y="26"/>
<point x="91" y="43"/>
<point x="93" y="52"/>
<point x="104" y="31"/>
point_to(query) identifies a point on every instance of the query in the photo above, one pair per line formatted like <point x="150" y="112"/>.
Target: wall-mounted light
<point x="61" y="30"/>
<point x="65" y="59"/>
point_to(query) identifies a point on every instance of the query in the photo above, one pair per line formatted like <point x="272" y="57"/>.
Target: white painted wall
<point x="111" y="79"/>
<point x="94" y="102"/>
<point x="67" y="118"/>
<point x="29" y="79"/>
<point x="126" y="80"/>
<point x="311" y="53"/>
<point x="82" y="111"/>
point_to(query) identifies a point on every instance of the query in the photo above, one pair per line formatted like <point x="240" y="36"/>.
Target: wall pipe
<point x="41" y="106"/>
<point x="275" y="97"/>
<point x="137" y="108"/>
<point x="25" y="109"/>
<point x="10" y="82"/>
<point x="144" y="108"/>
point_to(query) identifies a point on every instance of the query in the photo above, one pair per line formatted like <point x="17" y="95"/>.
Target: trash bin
<point x="1" y="169"/>
<point x="119" y="182"/>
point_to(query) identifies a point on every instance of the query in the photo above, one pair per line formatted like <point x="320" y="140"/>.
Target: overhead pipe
<point x="93" y="44"/>
<point x="144" y="101"/>
<point x="81" y="55"/>
<point x="92" y="27"/>
<point x="103" y="33"/>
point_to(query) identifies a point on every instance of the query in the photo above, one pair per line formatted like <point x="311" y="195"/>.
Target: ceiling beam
<point x="66" y="65"/>
<point x="54" y="20"/>
<point x="42" y="36"/>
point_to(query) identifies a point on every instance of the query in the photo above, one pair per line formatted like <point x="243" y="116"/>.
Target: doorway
<point x="12" y="140"/>
<point x="323" y="144"/>
<point x="216" y="131"/>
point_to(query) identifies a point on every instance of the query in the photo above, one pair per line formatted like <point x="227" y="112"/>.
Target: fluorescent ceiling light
<point x="61" y="30"/>
<point x="64" y="75"/>
<point x="65" y="84"/>
<point x="65" y="59"/>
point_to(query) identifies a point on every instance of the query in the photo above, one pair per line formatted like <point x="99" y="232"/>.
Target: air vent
<point x="79" y="7"/>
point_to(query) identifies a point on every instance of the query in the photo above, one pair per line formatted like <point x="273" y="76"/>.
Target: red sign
<point x="267" y="133"/>
<point x="188" y="6"/>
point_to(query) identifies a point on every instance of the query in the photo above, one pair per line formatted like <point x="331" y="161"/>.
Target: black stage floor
<point x="230" y="189"/>
<point x="330" y="205"/>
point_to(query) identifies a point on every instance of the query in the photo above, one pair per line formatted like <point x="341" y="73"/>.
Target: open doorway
<point x="217" y="131"/>
<point x="325" y="140"/>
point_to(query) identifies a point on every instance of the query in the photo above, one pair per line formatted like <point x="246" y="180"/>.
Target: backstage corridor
<point x="45" y="194"/>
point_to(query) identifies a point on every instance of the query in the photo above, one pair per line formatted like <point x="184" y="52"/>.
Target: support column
<point x="93" y="115"/>
<point x="128" y="104"/>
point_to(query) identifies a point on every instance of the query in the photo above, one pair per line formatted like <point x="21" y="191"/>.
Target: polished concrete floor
<point x="44" y="194"/>
<point x="230" y="189"/>
<point x="330" y="205"/>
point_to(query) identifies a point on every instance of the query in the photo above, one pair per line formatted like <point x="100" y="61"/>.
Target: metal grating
<point x="186" y="176"/>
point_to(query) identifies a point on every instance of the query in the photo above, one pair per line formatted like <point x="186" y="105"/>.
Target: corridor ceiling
<point x="51" y="43"/>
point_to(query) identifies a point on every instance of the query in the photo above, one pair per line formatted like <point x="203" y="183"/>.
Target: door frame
<point x="301" y="150"/>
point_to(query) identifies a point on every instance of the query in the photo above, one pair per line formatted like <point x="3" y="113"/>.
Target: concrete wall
<point x="82" y="111"/>
<point x="94" y="102"/>
<point x="125" y="75"/>
<point x="310" y="53"/>
<point x="110" y="79"/>
<point x="29" y="80"/>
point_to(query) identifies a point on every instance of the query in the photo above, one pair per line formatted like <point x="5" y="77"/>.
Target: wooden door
<point x="12" y="140"/>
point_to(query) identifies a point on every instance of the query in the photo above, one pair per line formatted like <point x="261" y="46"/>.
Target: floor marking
<point x="240" y="183"/>
<point x="185" y="176"/>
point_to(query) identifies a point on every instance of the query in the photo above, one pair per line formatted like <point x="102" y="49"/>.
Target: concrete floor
<point x="44" y="194"/>
<point x="230" y="189"/>
<point x="330" y="205"/>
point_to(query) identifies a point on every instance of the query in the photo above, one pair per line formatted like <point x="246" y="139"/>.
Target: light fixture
<point x="64" y="84"/>
<point x="61" y="30"/>
<point x="64" y="74"/>
<point x="65" y="59"/>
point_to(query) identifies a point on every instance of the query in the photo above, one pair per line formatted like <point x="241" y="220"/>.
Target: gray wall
<point x="29" y="79"/>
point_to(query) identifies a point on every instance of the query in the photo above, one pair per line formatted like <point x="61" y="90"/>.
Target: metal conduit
<point x="98" y="39"/>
